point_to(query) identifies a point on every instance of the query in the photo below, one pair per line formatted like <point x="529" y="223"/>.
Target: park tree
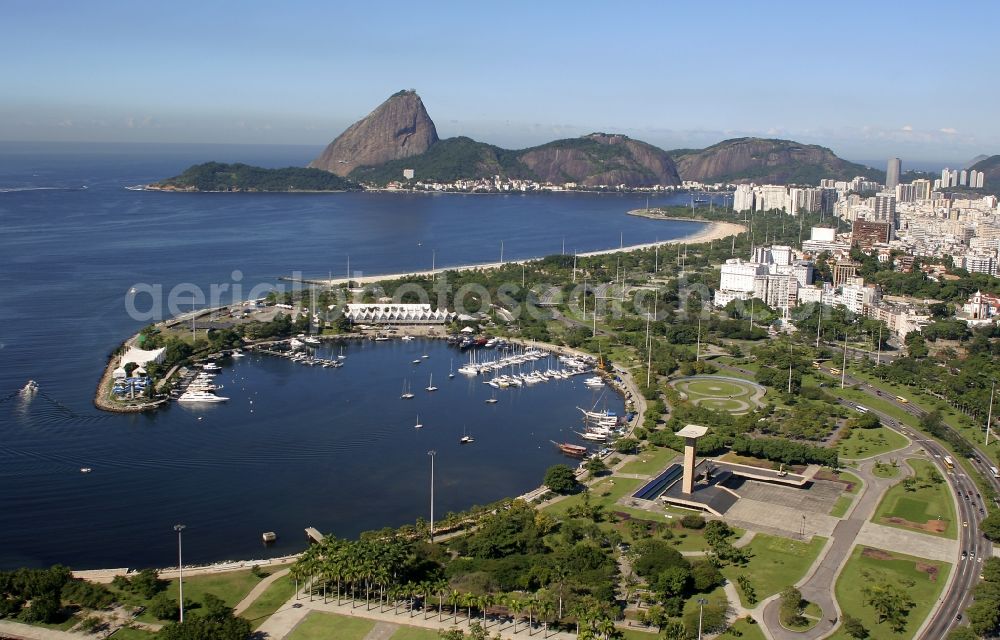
<point x="560" y="478"/>
<point x="164" y="607"/>
<point x="791" y="607"/>
<point x="990" y="526"/>
<point x="854" y="628"/>
<point x="963" y="633"/>
<point x="202" y="628"/>
<point x="891" y="603"/>
<point x="595" y="466"/>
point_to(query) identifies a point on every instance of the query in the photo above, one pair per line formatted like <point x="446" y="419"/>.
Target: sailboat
<point x="466" y="438"/>
<point x="492" y="399"/>
<point x="418" y="425"/>
<point x="451" y="369"/>
<point x="341" y="356"/>
<point x="430" y="384"/>
<point x="407" y="394"/>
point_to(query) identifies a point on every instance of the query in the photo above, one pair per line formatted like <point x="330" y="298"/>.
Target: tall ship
<point x="571" y="449"/>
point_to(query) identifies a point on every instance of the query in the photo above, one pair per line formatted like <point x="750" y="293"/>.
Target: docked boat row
<point x="202" y="386"/>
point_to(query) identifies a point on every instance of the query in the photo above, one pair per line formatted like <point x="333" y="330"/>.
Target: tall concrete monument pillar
<point x="690" y="433"/>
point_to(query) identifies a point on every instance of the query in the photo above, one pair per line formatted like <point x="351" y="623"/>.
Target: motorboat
<point x="211" y="366"/>
<point x="200" y="396"/>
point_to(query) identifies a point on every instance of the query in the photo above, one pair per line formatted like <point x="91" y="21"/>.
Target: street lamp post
<point x="180" y="571"/>
<point x="432" y="453"/>
<point x="701" y="612"/>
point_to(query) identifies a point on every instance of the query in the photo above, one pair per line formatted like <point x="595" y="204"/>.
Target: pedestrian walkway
<point x="295" y="610"/>
<point x="912" y="543"/>
<point x="256" y="592"/>
<point x="21" y="631"/>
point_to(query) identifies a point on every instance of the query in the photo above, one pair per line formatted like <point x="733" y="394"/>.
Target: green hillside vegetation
<point x="219" y="176"/>
<point x="449" y="160"/>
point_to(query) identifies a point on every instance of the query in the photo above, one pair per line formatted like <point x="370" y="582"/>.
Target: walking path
<point x="818" y="585"/>
<point x="21" y="631"/>
<point x="295" y="610"/>
<point x="256" y="592"/>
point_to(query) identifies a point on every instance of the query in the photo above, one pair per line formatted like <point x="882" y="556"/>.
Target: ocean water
<point x="296" y="446"/>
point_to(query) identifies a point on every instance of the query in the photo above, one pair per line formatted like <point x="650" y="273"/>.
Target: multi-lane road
<point x="971" y="507"/>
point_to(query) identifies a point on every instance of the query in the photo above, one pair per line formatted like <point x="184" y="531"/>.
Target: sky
<point x="871" y="80"/>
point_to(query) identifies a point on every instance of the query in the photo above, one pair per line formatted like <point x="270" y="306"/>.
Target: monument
<point x="690" y="433"/>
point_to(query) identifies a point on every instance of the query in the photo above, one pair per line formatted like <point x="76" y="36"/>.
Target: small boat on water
<point x="407" y="394"/>
<point x="417" y="361"/>
<point x="29" y="389"/>
<point x="237" y="353"/>
<point x="341" y="355"/>
<point x="430" y="384"/>
<point x="451" y="369"/>
<point x="211" y="366"/>
<point x="407" y="338"/>
<point x="418" y="425"/>
<point x="492" y="399"/>
<point x="466" y="438"/>
<point x="269" y="537"/>
<point x="571" y="449"/>
<point x="85" y="469"/>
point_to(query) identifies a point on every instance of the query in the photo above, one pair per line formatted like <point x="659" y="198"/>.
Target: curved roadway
<point x="971" y="509"/>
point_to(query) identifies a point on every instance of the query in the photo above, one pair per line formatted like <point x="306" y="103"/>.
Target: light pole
<point x="180" y="571"/>
<point x="432" y="453"/>
<point x="701" y="612"/>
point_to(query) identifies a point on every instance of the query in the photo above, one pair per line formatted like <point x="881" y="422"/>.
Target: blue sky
<point x="869" y="79"/>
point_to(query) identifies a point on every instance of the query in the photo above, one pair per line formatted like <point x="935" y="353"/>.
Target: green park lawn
<point x="885" y="470"/>
<point x="745" y="630"/>
<point x="776" y="563"/>
<point x="415" y="633"/>
<point x="918" y="510"/>
<point x="841" y="506"/>
<point x="921" y="579"/>
<point x="650" y="461"/>
<point x="230" y="586"/>
<point x="126" y="633"/>
<point x="605" y="492"/>
<point x="865" y="443"/>
<point x="277" y="594"/>
<point x="330" y="626"/>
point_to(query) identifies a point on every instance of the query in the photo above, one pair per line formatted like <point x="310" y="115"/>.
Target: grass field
<point x="133" y="634"/>
<point x="745" y="630"/>
<point x="280" y="591"/>
<point x="330" y="626"/>
<point x="841" y="506"/>
<point x="885" y="471"/>
<point x="776" y="563"/>
<point x="928" y="509"/>
<point x="650" y="462"/>
<point x="231" y="586"/>
<point x="865" y="443"/>
<point x="921" y="579"/>
<point x="718" y="393"/>
<point x="414" y="633"/>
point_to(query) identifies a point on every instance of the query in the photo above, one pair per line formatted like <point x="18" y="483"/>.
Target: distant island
<point x="219" y="176"/>
<point x="397" y="145"/>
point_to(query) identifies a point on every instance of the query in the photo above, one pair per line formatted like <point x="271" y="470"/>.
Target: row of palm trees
<point x="374" y="567"/>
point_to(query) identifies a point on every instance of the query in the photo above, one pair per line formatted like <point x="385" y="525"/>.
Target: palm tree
<point x="545" y="611"/>
<point x="514" y="606"/>
<point x="485" y="602"/>
<point x="454" y="598"/>
<point x="440" y="586"/>
<point x="470" y="600"/>
<point x="529" y="605"/>
<point x="606" y="627"/>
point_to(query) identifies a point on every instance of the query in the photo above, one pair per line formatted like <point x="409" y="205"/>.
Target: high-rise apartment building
<point x="892" y="172"/>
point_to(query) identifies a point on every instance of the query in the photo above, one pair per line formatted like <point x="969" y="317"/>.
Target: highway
<point x="971" y="507"/>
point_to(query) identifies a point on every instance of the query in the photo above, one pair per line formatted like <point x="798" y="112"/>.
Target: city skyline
<point x="514" y="77"/>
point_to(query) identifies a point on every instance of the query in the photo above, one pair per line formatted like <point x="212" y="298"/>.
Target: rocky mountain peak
<point x="398" y="128"/>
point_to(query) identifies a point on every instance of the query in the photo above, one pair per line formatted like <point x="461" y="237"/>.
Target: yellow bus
<point x="901" y="399"/>
<point x="834" y="371"/>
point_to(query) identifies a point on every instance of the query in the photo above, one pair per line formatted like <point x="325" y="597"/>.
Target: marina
<point x="306" y="439"/>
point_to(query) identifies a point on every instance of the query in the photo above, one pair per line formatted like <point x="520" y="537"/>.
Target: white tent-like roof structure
<point x="141" y="356"/>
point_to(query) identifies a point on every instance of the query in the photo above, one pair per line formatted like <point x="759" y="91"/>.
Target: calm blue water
<point x="328" y="448"/>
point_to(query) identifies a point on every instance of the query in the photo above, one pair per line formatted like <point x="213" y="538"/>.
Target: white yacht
<point x="211" y="366"/>
<point x="430" y="384"/>
<point x="200" y="396"/>
<point x="407" y="394"/>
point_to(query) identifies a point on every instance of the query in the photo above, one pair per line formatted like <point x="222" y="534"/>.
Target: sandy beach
<point x="711" y="231"/>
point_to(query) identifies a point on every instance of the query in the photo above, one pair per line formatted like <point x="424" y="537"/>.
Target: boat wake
<point x="22" y="189"/>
